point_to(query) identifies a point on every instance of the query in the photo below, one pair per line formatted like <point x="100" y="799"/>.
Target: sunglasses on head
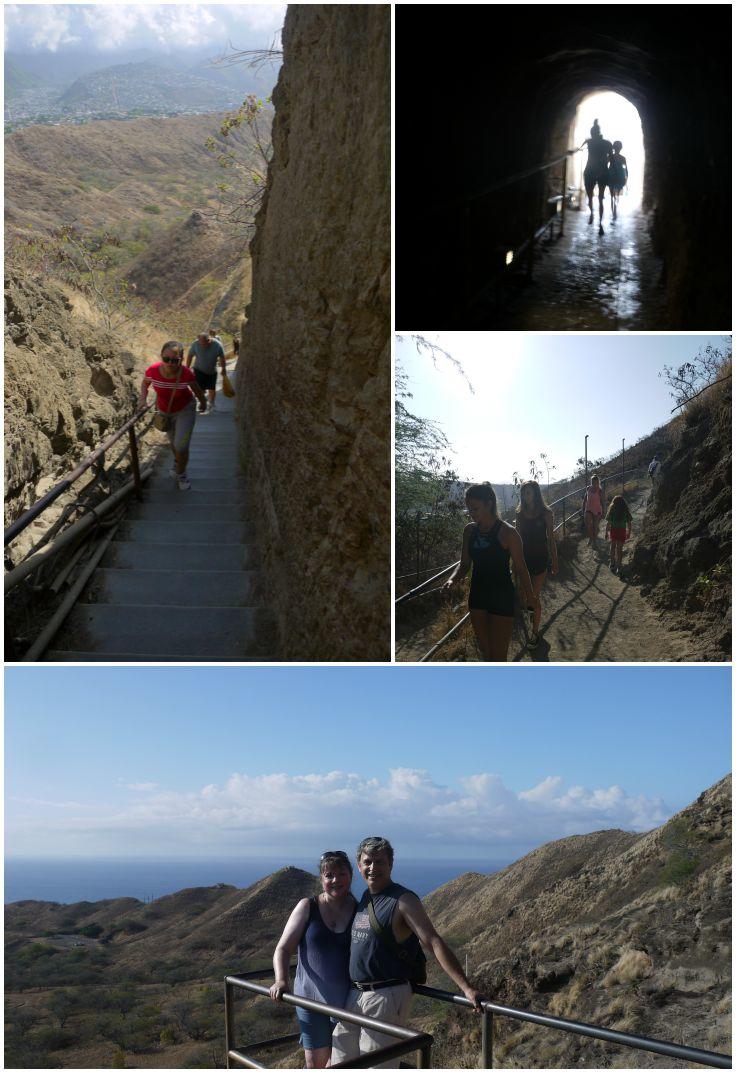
<point x="333" y="853"/>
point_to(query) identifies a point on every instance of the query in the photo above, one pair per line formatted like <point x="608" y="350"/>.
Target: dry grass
<point x="632" y="965"/>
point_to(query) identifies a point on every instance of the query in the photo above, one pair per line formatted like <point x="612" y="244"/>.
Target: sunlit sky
<point x="619" y="121"/>
<point x="536" y="392"/>
<point x="191" y="762"/>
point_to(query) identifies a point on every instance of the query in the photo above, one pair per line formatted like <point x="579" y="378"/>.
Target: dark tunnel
<point x="486" y="92"/>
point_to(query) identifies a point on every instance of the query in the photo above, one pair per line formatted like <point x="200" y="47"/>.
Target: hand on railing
<point x="277" y="989"/>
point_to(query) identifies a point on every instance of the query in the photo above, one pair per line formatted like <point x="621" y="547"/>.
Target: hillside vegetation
<point x="630" y="931"/>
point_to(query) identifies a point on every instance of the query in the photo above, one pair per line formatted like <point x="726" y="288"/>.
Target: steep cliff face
<point x="68" y="384"/>
<point x="314" y="378"/>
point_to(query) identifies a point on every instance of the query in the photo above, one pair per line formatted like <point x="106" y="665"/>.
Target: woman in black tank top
<point x="490" y="544"/>
<point x="535" y="526"/>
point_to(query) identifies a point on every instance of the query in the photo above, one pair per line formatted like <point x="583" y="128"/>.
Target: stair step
<point x="164" y="484"/>
<point x="201" y="495"/>
<point x="155" y="631"/>
<point x="183" y="532"/>
<point x="129" y="555"/>
<point x="186" y="510"/>
<point x="55" y="655"/>
<point x="178" y="588"/>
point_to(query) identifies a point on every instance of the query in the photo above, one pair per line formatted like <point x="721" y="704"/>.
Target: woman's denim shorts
<point x="316" y="1029"/>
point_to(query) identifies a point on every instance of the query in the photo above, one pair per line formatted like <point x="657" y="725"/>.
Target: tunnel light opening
<point x="619" y="121"/>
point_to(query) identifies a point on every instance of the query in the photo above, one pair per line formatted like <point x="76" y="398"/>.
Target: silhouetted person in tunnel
<point x="596" y="170"/>
<point x="618" y="175"/>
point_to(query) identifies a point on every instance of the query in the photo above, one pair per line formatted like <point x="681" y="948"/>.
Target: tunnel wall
<point x="464" y="123"/>
<point x="314" y="376"/>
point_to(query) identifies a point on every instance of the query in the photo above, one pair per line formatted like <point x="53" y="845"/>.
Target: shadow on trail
<point x="605" y="627"/>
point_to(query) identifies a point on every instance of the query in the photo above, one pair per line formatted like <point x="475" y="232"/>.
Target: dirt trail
<point x="588" y="614"/>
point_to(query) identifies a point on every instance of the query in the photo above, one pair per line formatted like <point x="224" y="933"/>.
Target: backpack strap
<point x="387" y="938"/>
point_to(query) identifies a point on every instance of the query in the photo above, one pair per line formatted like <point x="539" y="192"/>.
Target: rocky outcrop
<point x="684" y="551"/>
<point x="314" y="377"/>
<point x="627" y="931"/>
<point x="68" y="384"/>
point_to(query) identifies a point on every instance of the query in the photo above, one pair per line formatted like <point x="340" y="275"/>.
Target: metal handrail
<point x="581" y="1028"/>
<point x="17" y="527"/>
<point x="408" y="1039"/>
<point x="411" y="1040"/>
<point x="511" y="179"/>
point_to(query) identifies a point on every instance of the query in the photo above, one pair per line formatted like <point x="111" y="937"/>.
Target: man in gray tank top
<point x="382" y="966"/>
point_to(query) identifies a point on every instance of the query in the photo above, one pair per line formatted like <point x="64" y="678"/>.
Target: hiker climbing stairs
<point x="180" y="579"/>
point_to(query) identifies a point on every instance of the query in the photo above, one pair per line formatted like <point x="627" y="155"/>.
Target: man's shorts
<point x="207" y="381"/>
<point x="316" y="1029"/>
<point x="593" y="176"/>
<point x="389" y="1004"/>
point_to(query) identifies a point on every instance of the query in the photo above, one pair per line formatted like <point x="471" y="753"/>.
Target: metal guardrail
<point x="97" y="457"/>
<point x="410" y="1040"/>
<point x="562" y="1024"/>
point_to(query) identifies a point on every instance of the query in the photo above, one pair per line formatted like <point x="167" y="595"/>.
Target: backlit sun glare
<point x="619" y="121"/>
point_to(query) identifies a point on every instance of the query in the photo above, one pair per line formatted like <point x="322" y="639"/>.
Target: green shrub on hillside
<point x="155" y="210"/>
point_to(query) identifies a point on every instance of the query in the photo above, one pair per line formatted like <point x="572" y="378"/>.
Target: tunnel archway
<point x="619" y="120"/>
<point x="503" y="105"/>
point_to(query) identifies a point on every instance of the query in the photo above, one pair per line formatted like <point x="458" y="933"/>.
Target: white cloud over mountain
<point x="258" y="813"/>
<point x="161" y="27"/>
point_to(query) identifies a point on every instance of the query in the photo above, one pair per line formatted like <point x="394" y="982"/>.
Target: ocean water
<point x="70" y="880"/>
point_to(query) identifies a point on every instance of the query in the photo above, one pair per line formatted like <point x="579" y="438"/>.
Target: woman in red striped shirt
<point x="176" y="387"/>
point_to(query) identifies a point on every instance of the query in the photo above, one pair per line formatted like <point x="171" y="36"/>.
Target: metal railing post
<point x="564" y="197"/>
<point x="425" y="1057"/>
<point x="564" y="517"/>
<point x="228" y="1021"/>
<point x="487" y="1040"/>
<point x="134" y="463"/>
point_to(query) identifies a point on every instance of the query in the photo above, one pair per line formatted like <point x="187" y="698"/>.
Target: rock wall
<point x="314" y="376"/>
<point x="683" y="554"/>
<point x="67" y="386"/>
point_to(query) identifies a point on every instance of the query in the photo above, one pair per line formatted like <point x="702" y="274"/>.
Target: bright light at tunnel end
<point x="619" y="121"/>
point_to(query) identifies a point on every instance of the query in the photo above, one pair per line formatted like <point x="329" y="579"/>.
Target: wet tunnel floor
<point x="589" y="282"/>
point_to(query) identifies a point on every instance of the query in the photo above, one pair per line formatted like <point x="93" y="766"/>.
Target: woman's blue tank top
<point x="322" y="966"/>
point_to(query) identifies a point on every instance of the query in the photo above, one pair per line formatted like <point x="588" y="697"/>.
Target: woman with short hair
<point x="319" y="929"/>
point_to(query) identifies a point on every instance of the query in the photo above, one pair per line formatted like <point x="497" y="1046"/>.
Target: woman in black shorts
<point x="490" y="544"/>
<point x="535" y="527"/>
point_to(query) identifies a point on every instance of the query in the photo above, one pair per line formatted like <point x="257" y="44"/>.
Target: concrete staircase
<point x="180" y="580"/>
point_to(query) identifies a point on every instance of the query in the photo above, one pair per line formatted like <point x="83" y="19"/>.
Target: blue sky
<point x="159" y="27"/>
<point x="256" y="761"/>
<point x="537" y="392"/>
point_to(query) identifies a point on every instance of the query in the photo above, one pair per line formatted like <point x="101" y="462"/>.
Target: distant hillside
<point x="17" y="80"/>
<point x="86" y="981"/>
<point x="630" y="931"/>
<point x="149" y="85"/>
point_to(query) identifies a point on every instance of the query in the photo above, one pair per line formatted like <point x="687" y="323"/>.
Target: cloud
<point x="141" y="786"/>
<point x="40" y="26"/>
<point x="409" y="806"/>
<point x="161" y="27"/>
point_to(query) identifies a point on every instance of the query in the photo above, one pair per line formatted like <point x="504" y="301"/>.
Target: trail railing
<point x="556" y="199"/>
<point x="410" y="1040"/>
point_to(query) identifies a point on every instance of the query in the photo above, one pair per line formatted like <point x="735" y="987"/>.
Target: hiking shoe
<point x="614" y="568"/>
<point x="184" y="483"/>
<point x="534" y="640"/>
<point x="173" y="473"/>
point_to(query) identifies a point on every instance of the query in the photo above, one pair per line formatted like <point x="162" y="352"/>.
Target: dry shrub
<point x="566" y="1002"/>
<point x="632" y="965"/>
<point x="724" y="1005"/>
